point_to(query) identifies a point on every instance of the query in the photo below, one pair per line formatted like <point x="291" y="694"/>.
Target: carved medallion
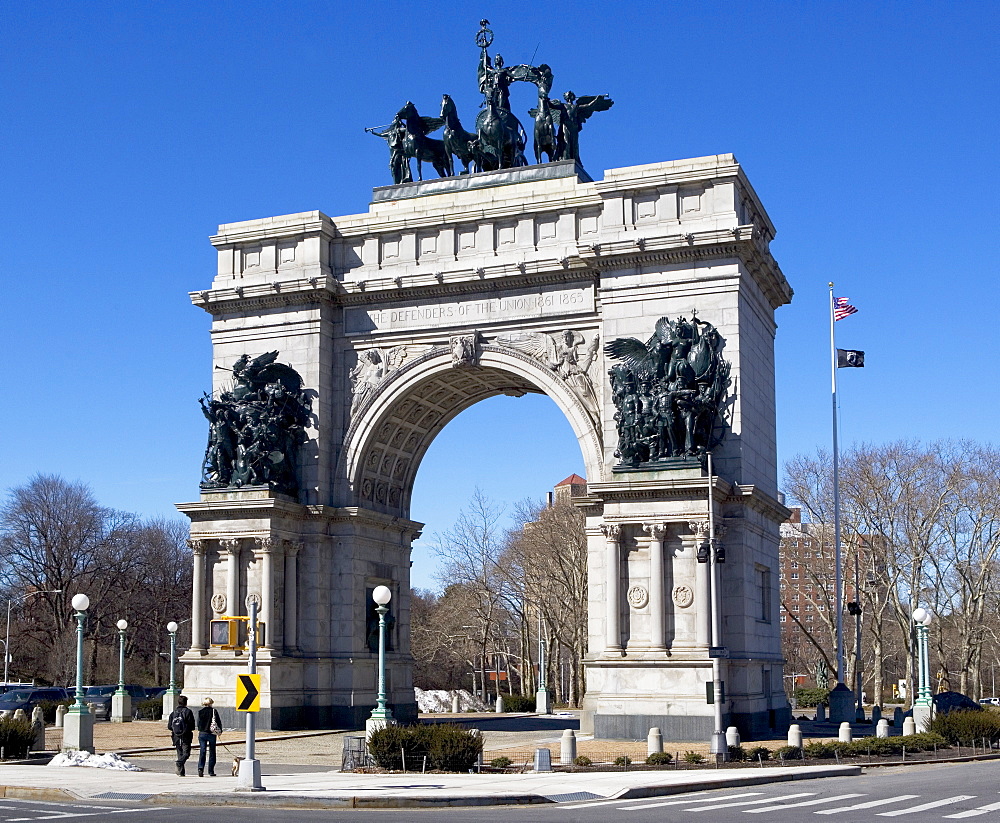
<point x="683" y="597"/>
<point x="219" y="603"/>
<point x="253" y="598"/>
<point x="638" y="597"/>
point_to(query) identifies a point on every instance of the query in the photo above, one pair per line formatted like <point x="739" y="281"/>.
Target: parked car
<point x="989" y="701"/>
<point x="27" y="699"/>
<point x="9" y="687"/>
<point x="100" y="697"/>
<point x="156" y="691"/>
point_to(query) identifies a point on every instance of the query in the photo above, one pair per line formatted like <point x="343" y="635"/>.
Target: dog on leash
<point x="236" y="765"/>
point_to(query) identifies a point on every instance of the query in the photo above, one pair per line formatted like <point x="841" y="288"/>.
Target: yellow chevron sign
<point x="248" y="693"/>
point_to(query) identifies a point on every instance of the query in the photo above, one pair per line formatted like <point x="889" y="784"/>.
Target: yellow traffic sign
<point x="248" y="693"/>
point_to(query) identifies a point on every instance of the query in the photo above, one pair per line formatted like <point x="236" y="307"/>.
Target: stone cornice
<point x="653" y="489"/>
<point x="379" y="291"/>
<point x="291" y="225"/>
<point x="754" y="498"/>
<point x="742" y="242"/>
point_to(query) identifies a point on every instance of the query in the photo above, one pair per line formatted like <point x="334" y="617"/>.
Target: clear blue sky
<point x="129" y="131"/>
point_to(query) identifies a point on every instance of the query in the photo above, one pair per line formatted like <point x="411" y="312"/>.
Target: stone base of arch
<point x="315" y="567"/>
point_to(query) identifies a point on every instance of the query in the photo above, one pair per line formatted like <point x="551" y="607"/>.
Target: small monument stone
<point x="543" y="760"/>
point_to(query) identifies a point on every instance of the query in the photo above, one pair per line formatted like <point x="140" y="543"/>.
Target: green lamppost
<point x="170" y="695"/>
<point x="381" y="715"/>
<point x="923" y="706"/>
<point x="78" y="727"/>
<point x="121" y="702"/>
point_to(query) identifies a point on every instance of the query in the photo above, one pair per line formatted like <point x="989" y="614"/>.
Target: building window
<point x="795" y="575"/>
<point x="809" y="618"/>
<point x="795" y="608"/>
<point x="782" y="618"/>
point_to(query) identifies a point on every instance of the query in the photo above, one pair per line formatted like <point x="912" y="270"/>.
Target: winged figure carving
<point x="668" y="391"/>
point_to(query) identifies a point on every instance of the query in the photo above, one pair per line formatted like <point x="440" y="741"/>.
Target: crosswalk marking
<point x="589" y="804"/>
<point x="750" y="802"/>
<point x="991" y="807"/>
<point x="673" y="802"/>
<point x="869" y="805"/>
<point x="68" y="815"/>
<point x="958" y="798"/>
<point x="802" y="803"/>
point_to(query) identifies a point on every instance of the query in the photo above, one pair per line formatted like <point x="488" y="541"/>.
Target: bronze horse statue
<point x="457" y="141"/>
<point x="546" y="129"/>
<point x="501" y="138"/>
<point x="418" y="145"/>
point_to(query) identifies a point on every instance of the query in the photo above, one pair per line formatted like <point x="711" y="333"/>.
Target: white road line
<point x="687" y="799"/>
<point x="992" y="807"/>
<point x="871" y="804"/>
<point x="833" y="799"/>
<point x="750" y="802"/>
<point x="87" y="814"/>
<point x="958" y="798"/>
<point x="673" y="800"/>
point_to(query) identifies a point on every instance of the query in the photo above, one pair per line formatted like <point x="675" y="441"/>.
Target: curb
<point x="38" y="793"/>
<point x="281" y="799"/>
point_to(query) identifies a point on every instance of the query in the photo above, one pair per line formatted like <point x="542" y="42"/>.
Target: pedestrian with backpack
<point x="209" y="729"/>
<point x="181" y="724"/>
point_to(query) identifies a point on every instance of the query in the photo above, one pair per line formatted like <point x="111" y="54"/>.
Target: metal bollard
<point x="654" y="741"/>
<point x="567" y="748"/>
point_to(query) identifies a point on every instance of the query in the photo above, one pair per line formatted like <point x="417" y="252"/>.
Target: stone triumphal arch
<point x="454" y="290"/>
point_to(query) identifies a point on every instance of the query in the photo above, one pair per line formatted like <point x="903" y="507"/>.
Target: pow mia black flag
<point x="848" y="358"/>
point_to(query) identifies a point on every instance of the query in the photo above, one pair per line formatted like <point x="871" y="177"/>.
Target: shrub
<point x="500" y="762"/>
<point x="758" y="753"/>
<point x="16" y="737"/>
<point x="737" y="754"/>
<point x="518" y="703"/>
<point x="788" y="753"/>
<point x="447" y="747"/>
<point x="149" y="709"/>
<point x="966" y="725"/>
<point x="659" y="759"/>
<point x="623" y="760"/>
<point x="808" y="698"/>
<point x="453" y="749"/>
<point x="816" y="750"/>
<point x="389" y="745"/>
<point x="693" y="758"/>
<point x="583" y="760"/>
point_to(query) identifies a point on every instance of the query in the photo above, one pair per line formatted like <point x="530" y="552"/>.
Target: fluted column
<point x="234" y="607"/>
<point x="613" y="632"/>
<point x="268" y="547"/>
<point x="197" y="595"/>
<point x="657" y="600"/>
<point x="702" y="586"/>
<point x="291" y="627"/>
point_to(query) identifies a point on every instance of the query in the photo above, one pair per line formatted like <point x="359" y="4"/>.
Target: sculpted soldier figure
<point x="256" y="427"/>
<point x="679" y="381"/>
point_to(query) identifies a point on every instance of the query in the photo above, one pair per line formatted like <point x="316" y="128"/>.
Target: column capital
<point x="197" y="546"/>
<point x="721" y="529"/>
<point x="612" y="531"/>
<point x="230" y="545"/>
<point x="699" y="528"/>
<point x="292" y="547"/>
<point x="657" y="531"/>
<point x="268" y="545"/>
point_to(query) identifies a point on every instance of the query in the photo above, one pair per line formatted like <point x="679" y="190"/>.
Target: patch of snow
<point x="108" y="760"/>
<point x="439" y="700"/>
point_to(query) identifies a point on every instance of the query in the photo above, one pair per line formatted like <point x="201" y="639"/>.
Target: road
<point x="916" y="794"/>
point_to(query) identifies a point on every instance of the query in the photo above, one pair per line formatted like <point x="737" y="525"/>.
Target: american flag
<point x="842" y="309"/>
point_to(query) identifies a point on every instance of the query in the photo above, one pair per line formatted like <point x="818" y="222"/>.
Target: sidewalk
<point x="349" y="790"/>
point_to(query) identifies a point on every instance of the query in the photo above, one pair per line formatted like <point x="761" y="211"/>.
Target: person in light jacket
<point x="209" y="726"/>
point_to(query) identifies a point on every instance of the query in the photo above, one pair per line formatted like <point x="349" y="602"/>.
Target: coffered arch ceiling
<point x="390" y="436"/>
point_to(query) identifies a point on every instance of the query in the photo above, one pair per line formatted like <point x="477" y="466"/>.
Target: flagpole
<point x="838" y="572"/>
